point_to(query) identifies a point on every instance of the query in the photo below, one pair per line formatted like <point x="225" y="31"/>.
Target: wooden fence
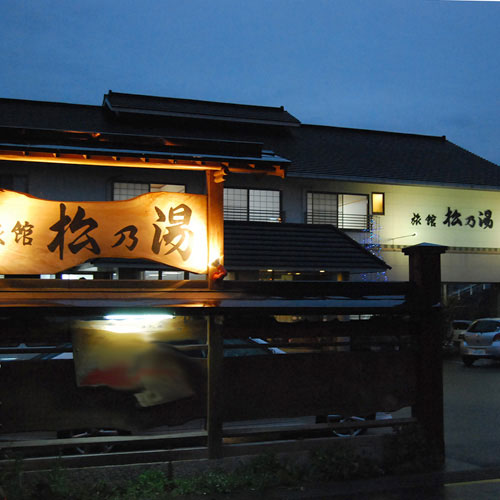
<point x="347" y="349"/>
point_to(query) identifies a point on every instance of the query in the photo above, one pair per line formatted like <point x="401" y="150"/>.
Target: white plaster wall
<point x="402" y="203"/>
<point x="399" y="265"/>
<point x="455" y="267"/>
<point x="467" y="268"/>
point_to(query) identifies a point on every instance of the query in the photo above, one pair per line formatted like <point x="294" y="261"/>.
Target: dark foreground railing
<point x="268" y="351"/>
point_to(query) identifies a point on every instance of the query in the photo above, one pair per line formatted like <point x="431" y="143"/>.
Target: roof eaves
<point x="357" y="269"/>
<point x="374" y="131"/>
<point x="41" y="102"/>
<point x="200" y="116"/>
<point x="361" y="247"/>
<point x="115" y="108"/>
<point x="143" y="152"/>
<point x="198" y="101"/>
<point x="471" y="153"/>
<point x="388" y="180"/>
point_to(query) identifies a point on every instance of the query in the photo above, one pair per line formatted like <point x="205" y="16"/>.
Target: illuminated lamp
<point x="378" y="203"/>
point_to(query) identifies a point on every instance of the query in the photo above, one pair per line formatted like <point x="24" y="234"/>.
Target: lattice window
<point x="346" y="211"/>
<point x="127" y="190"/>
<point x="252" y="205"/>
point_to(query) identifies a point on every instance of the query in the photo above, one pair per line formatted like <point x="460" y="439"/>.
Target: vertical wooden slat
<point x="215" y="399"/>
<point x="215" y="223"/>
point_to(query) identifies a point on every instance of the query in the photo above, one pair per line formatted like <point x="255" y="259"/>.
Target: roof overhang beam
<point x="235" y="165"/>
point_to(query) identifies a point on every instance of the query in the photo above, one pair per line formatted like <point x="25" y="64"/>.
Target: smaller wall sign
<point x="452" y="217"/>
<point x="45" y="237"/>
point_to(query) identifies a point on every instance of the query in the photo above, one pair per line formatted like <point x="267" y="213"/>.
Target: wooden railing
<point x="328" y="366"/>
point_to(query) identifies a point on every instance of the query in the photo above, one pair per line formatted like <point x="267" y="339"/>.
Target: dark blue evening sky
<point x="419" y="66"/>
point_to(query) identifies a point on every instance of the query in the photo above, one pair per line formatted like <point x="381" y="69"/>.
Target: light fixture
<point x="378" y="203"/>
<point x="136" y="324"/>
<point x="146" y="317"/>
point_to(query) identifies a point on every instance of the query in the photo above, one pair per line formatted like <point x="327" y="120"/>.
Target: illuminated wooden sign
<point x="45" y="237"/>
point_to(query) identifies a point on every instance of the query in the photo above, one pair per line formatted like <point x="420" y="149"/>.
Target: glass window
<point x="170" y="188"/>
<point x="378" y="204"/>
<point x="484" y="326"/>
<point x="263" y="205"/>
<point x="322" y="208"/>
<point x="235" y="204"/>
<point x="346" y="211"/>
<point x="353" y="211"/>
<point x="127" y="190"/>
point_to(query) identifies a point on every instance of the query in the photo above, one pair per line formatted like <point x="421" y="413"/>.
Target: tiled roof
<point x="294" y="247"/>
<point x="189" y="108"/>
<point x="315" y="151"/>
<point x="253" y="246"/>
<point x="362" y="155"/>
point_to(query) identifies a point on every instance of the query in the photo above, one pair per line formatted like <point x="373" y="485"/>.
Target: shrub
<point x="340" y="463"/>
<point x="409" y="451"/>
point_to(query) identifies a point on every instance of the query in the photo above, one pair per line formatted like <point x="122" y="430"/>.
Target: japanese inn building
<point x="342" y="203"/>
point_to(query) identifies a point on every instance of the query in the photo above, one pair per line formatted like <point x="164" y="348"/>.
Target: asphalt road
<point x="471" y="414"/>
<point x="472" y="439"/>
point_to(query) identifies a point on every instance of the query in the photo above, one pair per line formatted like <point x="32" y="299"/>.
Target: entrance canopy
<point x="138" y="151"/>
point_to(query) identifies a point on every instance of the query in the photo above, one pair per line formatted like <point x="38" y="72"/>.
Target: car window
<point x="485" y="325"/>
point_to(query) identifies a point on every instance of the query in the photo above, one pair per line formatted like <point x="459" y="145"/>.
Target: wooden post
<point x="214" y="392"/>
<point x="425" y="271"/>
<point x="215" y="223"/>
<point x="425" y="274"/>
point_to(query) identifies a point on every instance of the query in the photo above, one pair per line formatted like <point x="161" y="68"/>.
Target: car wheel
<point x="92" y="448"/>
<point x="468" y="360"/>
<point x="353" y="431"/>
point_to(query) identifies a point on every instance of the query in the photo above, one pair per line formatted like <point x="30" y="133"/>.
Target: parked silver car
<point x="458" y="328"/>
<point x="481" y="341"/>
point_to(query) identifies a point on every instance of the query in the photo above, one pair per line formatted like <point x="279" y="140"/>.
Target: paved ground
<point x="472" y="436"/>
<point x="479" y="485"/>
<point x="471" y="414"/>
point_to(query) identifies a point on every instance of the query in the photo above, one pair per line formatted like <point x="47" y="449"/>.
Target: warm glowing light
<point x="74" y="158"/>
<point x="134" y="354"/>
<point x="135" y="324"/>
<point x="102" y="161"/>
<point x="217" y="261"/>
<point x="147" y="317"/>
<point x="170" y="228"/>
<point x="378" y="203"/>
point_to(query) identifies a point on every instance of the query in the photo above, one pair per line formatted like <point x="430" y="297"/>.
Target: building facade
<point x="385" y="190"/>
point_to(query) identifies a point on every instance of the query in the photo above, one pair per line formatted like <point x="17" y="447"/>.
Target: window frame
<point x="149" y="184"/>
<point x="247" y="209"/>
<point x="377" y="212"/>
<point x="340" y="224"/>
